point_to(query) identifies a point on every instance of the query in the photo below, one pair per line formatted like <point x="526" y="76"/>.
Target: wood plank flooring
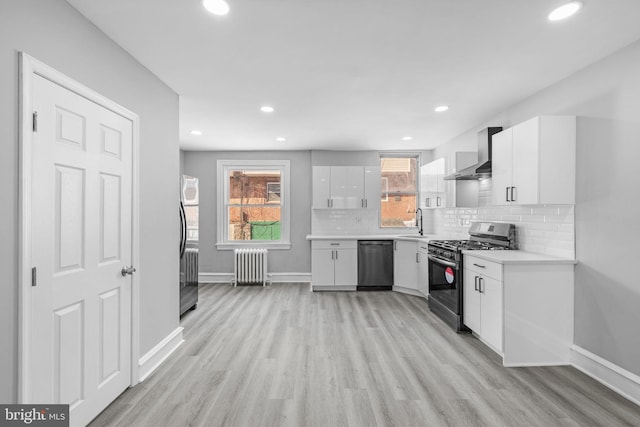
<point x="284" y="356"/>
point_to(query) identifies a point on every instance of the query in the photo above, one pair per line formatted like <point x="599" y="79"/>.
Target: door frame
<point x="30" y="67"/>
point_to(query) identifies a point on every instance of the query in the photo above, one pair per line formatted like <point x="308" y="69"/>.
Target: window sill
<point x="231" y="246"/>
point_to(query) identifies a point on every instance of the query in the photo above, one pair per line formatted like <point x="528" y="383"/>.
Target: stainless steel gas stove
<point x="446" y="263"/>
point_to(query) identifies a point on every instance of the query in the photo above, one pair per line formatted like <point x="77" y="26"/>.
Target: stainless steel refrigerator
<point x="189" y="220"/>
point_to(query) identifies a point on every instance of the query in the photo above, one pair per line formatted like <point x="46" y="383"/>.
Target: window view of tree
<point x="254" y="205"/>
<point x="399" y="191"/>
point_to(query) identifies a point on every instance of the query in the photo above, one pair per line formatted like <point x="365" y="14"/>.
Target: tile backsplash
<point x="547" y="229"/>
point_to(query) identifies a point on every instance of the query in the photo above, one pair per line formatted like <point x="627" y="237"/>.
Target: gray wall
<point x="53" y="32"/>
<point x="202" y="165"/>
<point x="356" y="158"/>
<point x="606" y="97"/>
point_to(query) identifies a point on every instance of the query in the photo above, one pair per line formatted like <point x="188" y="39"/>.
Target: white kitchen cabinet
<point x="432" y="184"/>
<point x="521" y="309"/>
<point x="345" y="187"/>
<point x="423" y="269"/>
<point x="405" y="266"/>
<point x="436" y="192"/>
<point x="372" y="187"/>
<point x="461" y="193"/>
<point x="482" y="300"/>
<point x="321" y="187"/>
<point x="534" y="162"/>
<point x="334" y="264"/>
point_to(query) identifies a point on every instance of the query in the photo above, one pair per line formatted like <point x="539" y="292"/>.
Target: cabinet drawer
<point x="483" y="267"/>
<point x="334" y="244"/>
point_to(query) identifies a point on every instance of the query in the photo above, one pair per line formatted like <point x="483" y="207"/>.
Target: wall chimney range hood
<point x="482" y="169"/>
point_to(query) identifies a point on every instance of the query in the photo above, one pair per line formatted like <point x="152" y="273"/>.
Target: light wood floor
<point x="284" y="356"/>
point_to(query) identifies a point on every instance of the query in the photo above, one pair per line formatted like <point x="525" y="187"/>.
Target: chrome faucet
<point x="419" y="211"/>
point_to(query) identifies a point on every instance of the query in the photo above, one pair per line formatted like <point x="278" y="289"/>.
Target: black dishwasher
<point x="375" y="265"/>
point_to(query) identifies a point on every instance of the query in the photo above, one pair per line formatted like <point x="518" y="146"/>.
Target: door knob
<point x="127" y="270"/>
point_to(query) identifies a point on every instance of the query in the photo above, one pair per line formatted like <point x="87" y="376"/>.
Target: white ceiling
<point x="355" y="74"/>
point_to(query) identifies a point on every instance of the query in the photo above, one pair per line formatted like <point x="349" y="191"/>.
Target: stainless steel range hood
<point x="482" y="169"/>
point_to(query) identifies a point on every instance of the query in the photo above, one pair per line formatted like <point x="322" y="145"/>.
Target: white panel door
<point x="405" y="264"/>
<point x="346" y="267"/>
<point x="491" y="309"/>
<point x="372" y="187"/>
<point x="423" y="270"/>
<point x="321" y="187"/>
<point x="471" y="301"/>
<point x="501" y="164"/>
<point x="322" y="267"/>
<point x="339" y="187"/>
<point x="355" y="187"/>
<point x="80" y="348"/>
<point x="526" y="162"/>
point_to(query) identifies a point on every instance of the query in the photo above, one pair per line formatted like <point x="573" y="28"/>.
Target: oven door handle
<point x="442" y="261"/>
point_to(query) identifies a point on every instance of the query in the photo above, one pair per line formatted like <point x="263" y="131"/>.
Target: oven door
<point x="445" y="282"/>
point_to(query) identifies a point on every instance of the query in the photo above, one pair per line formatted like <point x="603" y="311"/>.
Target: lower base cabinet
<point x="482" y="302"/>
<point x="523" y="311"/>
<point x="334" y="264"/>
<point x="405" y="266"/>
<point x="423" y="269"/>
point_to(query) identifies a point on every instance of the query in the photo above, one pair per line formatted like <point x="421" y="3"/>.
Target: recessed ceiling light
<point x="565" y="11"/>
<point x="196" y="132"/>
<point x="441" y="108"/>
<point x="267" y="109"/>
<point x="407" y="138"/>
<point x="217" y="7"/>
<point x="281" y="139"/>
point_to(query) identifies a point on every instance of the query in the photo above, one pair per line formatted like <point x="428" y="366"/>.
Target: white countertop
<point x="519" y="257"/>
<point x="408" y="237"/>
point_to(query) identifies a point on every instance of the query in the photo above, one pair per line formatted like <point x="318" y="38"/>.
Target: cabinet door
<point x="338" y="184"/>
<point x="354" y="190"/>
<point x="441" y="192"/>
<point x="346" y="267"/>
<point x="525" y="162"/>
<point x="405" y="264"/>
<point x="321" y="187"/>
<point x="372" y="187"/>
<point x="491" y="310"/>
<point x="423" y="270"/>
<point x="423" y="187"/>
<point x="431" y="185"/>
<point x="322" y="267"/>
<point x="501" y="165"/>
<point x="471" y="301"/>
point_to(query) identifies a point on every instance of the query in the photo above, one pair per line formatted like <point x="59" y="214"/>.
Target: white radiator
<point x="250" y="266"/>
<point x="191" y="267"/>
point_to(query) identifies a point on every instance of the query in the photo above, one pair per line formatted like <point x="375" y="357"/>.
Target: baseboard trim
<point x="273" y="277"/>
<point x="623" y="382"/>
<point x="158" y="354"/>
<point x="215" y="277"/>
<point x="290" y="277"/>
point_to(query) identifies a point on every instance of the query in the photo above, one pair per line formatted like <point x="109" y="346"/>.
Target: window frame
<point x="399" y="154"/>
<point x="223" y="167"/>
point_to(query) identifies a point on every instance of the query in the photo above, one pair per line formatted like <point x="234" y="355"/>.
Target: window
<point x="399" y="189"/>
<point x="253" y="204"/>
<point x="273" y="192"/>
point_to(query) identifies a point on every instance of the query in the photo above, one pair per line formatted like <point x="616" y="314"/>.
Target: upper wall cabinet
<point x="535" y="162"/>
<point x="346" y="187"/>
<point x="432" y="185"/>
<point x="435" y="192"/>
